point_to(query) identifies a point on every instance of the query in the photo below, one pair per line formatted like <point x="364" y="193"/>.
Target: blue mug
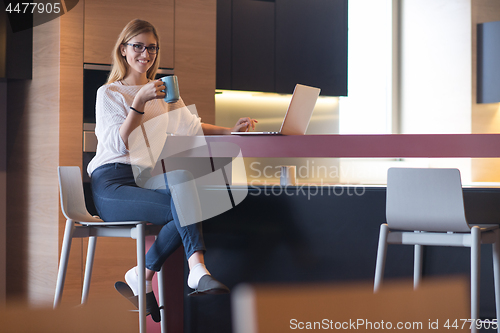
<point x="171" y="88"/>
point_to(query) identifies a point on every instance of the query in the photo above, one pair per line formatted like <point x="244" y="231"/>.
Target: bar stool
<point x="426" y="207"/>
<point x="81" y="224"/>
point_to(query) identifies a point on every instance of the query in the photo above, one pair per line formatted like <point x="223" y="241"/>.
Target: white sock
<point x="132" y="280"/>
<point x="196" y="274"/>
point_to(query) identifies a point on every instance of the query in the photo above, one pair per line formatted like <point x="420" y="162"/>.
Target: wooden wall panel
<point x="435" y="62"/>
<point x="105" y="19"/>
<point x="42" y="160"/>
<point x="195" y="37"/>
<point x="71" y="129"/>
<point x="33" y="132"/>
<point x="485" y="117"/>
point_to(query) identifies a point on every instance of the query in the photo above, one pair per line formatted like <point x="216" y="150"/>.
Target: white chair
<point x="81" y="224"/>
<point x="426" y="207"/>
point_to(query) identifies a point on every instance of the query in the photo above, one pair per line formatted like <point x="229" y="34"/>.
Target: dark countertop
<point x="305" y="238"/>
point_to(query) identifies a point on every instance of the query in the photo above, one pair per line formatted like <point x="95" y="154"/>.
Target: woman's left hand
<point x="244" y="125"/>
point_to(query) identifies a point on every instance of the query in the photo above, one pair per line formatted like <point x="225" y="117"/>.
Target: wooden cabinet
<point x="105" y="19"/>
<point x="272" y="45"/>
<point x="191" y="23"/>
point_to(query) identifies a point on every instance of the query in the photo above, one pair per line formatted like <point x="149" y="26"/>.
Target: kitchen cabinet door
<point x="105" y="19"/>
<point x="311" y="45"/>
<point x="271" y="45"/>
<point x="224" y="33"/>
<point x="252" y="65"/>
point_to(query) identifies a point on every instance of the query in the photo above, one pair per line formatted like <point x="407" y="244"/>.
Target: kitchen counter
<point x="349" y="146"/>
<point x="338" y="145"/>
<point x="320" y="237"/>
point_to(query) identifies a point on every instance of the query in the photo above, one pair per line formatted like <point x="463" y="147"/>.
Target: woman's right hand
<point x="152" y="90"/>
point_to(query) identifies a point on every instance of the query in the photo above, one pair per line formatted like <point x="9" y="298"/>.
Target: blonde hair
<point x="120" y="65"/>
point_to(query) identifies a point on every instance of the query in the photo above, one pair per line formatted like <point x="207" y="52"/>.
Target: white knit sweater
<point x="112" y="107"/>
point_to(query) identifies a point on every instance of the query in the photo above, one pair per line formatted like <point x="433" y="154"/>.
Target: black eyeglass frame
<point x="144" y="47"/>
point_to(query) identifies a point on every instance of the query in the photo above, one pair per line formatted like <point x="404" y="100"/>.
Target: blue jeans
<point x="118" y="198"/>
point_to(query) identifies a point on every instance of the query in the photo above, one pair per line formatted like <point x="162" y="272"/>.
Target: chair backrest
<point x="72" y="198"/>
<point x="425" y="200"/>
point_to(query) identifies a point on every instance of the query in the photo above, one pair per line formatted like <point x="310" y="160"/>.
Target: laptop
<point x="298" y="114"/>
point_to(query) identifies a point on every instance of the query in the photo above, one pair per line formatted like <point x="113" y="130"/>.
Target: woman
<point x="130" y="98"/>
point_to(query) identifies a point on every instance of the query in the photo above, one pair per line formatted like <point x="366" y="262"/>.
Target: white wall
<point x="436" y="72"/>
<point x="436" y="66"/>
<point x="433" y="70"/>
<point x="367" y="109"/>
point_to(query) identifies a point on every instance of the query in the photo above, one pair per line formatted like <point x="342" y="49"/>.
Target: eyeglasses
<point x="139" y="48"/>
